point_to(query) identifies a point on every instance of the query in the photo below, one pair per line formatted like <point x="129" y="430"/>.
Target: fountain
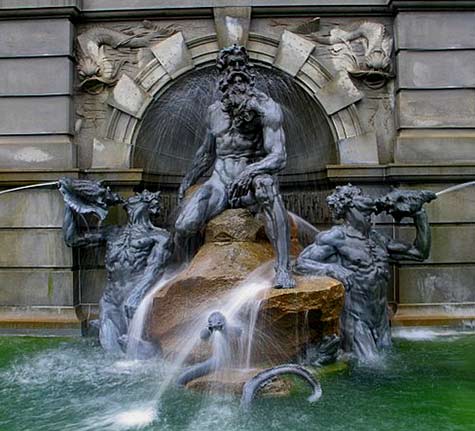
<point x="205" y="269"/>
<point x="227" y="315"/>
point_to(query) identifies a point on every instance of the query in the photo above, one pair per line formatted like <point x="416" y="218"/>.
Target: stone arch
<point x="174" y="57"/>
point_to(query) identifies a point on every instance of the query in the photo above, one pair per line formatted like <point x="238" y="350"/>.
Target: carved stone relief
<point x="304" y="28"/>
<point x="98" y="70"/>
<point x="362" y="48"/>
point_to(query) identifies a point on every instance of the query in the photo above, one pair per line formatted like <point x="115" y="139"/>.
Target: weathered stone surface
<point x="362" y="149"/>
<point x="20" y="209"/>
<point x="34" y="248"/>
<point x="435" y="30"/>
<point x="338" y="94"/>
<point x="30" y="115"/>
<point x="235" y="225"/>
<point x="430" y="145"/>
<point x="232" y="25"/>
<point x="293" y="52"/>
<point x="433" y="284"/>
<point x="232" y="381"/>
<point x="110" y="154"/>
<point x="36" y="37"/>
<point x="173" y="55"/>
<point x="436" y="108"/>
<point x="33" y="76"/>
<point x="129" y="97"/>
<point x="36" y="286"/>
<point x="292" y="318"/>
<point x="50" y="152"/>
<point x="437" y="69"/>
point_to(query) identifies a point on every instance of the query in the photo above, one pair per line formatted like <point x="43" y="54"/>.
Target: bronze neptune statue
<point x="245" y="146"/>
<point x="359" y="256"/>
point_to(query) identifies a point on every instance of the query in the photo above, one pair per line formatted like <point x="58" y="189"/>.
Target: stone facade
<point x="390" y="83"/>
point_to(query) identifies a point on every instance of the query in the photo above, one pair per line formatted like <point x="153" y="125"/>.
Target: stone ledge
<point x="19" y="177"/>
<point x="446" y="172"/>
<point x="450" y="314"/>
<point x="39" y="321"/>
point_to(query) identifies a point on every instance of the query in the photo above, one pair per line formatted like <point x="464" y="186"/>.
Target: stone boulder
<point x="293" y="318"/>
<point x="235" y="245"/>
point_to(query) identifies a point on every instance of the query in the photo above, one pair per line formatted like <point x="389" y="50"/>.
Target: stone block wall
<point x="36" y="109"/>
<point x="418" y="131"/>
<point x="435" y="87"/>
<point x="38" y="280"/>
<point x="435" y="54"/>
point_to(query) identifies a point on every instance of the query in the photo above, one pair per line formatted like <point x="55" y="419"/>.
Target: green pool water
<point x="69" y="384"/>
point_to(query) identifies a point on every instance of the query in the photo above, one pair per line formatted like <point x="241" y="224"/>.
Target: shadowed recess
<point x="175" y="124"/>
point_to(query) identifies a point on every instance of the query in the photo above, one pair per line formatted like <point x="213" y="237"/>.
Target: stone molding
<point x="174" y="58"/>
<point x="105" y="9"/>
<point x="359" y="173"/>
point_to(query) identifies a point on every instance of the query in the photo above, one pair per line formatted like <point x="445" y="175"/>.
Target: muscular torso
<point x="238" y="143"/>
<point x="127" y="251"/>
<point x="366" y="257"/>
<point x="368" y="261"/>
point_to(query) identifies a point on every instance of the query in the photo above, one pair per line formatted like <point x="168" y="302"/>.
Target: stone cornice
<point x="135" y="9"/>
<point x="380" y="174"/>
<point x="13" y="9"/>
<point x="394" y="173"/>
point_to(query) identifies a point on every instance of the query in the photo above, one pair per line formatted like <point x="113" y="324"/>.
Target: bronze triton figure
<point x="136" y="254"/>
<point x="359" y="256"/>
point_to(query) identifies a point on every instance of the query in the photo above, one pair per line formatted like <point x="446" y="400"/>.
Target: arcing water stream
<point x="456" y="188"/>
<point x="30" y="186"/>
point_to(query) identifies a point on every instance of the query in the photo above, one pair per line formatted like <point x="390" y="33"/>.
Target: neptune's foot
<point x="283" y="279"/>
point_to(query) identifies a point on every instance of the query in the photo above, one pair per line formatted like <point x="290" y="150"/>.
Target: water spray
<point x="455" y="188"/>
<point x="31" y="186"/>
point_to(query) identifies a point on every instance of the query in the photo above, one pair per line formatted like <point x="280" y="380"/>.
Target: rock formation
<point x="235" y="245"/>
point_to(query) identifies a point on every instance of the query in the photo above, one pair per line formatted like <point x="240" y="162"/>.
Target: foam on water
<point x="73" y="386"/>
<point x="428" y="334"/>
<point x="137" y="418"/>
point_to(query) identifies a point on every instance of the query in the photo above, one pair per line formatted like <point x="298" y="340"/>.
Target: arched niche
<point x="134" y="101"/>
<point x="174" y="124"/>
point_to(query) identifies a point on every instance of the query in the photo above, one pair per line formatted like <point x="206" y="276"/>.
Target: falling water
<point x="240" y="306"/>
<point x="31" y="186"/>
<point x="137" y="326"/>
<point x="455" y="188"/>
